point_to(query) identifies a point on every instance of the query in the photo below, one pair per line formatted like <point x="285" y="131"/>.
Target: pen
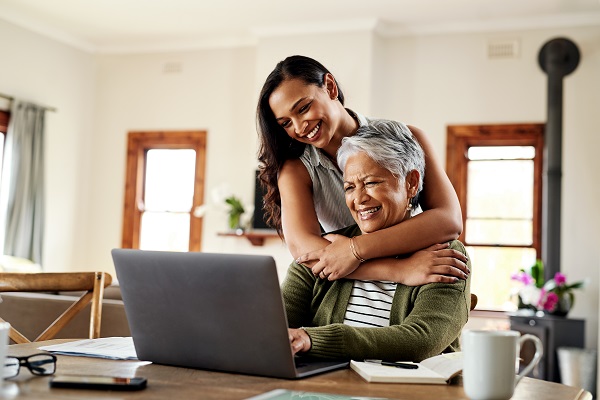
<point x="393" y="364"/>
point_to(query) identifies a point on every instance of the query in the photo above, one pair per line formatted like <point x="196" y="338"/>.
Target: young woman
<point x="301" y="123"/>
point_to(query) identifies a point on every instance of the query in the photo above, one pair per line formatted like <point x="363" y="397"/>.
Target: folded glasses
<point x="38" y="364"/>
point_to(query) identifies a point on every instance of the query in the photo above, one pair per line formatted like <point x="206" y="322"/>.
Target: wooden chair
<point x="473" y="301"/>
<point x="92" y="283"/>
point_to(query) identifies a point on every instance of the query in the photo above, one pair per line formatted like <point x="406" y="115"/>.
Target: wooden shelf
<point x="256" y="236"/>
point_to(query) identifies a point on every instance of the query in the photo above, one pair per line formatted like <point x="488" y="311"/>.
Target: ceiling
<point x="143" y="25"/>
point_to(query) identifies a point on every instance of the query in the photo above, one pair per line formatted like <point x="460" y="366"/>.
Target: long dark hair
<point x="275" y="145"/>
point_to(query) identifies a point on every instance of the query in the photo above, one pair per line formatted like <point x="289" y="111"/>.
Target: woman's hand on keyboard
<point x="299" y="339"/>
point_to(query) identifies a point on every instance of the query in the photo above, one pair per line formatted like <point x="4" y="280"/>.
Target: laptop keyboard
<point x="300" y="361"/>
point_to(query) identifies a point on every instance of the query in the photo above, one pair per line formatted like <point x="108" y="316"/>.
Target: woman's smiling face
<point x="305" y="111"/>
<point x="376" y="198"/>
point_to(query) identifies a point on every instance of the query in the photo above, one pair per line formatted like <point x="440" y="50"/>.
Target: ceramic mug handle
<point x="539" y="352"/>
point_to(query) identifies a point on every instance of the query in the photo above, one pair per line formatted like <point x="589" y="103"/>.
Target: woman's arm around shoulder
<point x="299" y="221"/>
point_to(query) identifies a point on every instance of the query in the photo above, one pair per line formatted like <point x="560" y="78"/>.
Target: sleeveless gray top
<point x="328" y="186"/>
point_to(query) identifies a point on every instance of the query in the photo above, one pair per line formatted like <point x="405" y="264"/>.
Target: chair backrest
<point x="92" y="283"/>
<point x="473" y="301"/>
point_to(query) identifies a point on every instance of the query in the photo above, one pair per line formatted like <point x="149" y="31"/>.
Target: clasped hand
<point x="437" y="263"/>
<point x="332" y="262"/>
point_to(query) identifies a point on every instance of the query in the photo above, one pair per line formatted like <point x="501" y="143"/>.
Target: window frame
<point x="460" y="138"/>
<point x="138" y="144"/>
<point x="4" y="118"/>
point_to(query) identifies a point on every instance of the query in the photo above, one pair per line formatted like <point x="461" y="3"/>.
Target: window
<point x="497" y="173"/>
<point x="164" y="185"/>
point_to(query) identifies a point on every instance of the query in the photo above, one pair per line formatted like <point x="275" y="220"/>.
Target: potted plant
<point x="236" y="209"/>
<point x="554" y="297"/>
<point x="557" y="296"/>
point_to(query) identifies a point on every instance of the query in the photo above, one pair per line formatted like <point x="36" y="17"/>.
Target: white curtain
<point x="23" y="182"/>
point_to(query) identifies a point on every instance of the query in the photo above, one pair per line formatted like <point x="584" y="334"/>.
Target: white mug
<point x="4" y="329"/>
<point x="490" y="362"/>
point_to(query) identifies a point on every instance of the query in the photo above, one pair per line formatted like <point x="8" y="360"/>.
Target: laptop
<point x="220" y="312"/>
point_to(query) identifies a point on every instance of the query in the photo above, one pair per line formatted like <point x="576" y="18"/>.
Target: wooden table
<point x="166" y="382"/>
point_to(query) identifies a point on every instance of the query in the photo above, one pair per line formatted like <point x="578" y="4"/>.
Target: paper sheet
<point x="113" y="348"/>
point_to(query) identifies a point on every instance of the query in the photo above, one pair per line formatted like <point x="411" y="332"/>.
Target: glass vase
<point x="563" y="306"/>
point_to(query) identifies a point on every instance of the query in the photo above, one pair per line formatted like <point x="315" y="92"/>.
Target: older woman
<point x="383" y="169"/>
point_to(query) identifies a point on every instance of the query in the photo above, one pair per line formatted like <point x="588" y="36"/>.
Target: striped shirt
<point x="370" y="303"/>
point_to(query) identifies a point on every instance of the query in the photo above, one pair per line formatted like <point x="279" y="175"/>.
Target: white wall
<point x="46" y="72"/>
<point x="430" y="81"/>
<point x="214" y="92"/>
<point x="347" y="55"/>
<point x="581" y="179"/>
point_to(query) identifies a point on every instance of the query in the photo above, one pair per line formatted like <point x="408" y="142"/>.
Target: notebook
<point x="220" y="312"/>
<point x="434" y="370"/>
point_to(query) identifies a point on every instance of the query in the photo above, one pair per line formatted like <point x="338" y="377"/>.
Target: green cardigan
<point x="424" y="320"/>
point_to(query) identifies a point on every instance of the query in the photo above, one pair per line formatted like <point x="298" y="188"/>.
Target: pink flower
<point x="560" y="279"/>
<point x="548" y="300"/>
<point x="522" y="277"/>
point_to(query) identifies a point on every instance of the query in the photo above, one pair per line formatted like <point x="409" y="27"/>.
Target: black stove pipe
<point x="558" y="58"/>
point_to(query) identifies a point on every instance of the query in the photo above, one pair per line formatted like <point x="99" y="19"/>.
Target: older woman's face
<point x="374" y="196"/>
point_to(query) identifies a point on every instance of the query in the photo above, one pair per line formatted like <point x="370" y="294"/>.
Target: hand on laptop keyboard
<point x="299" y="340"/>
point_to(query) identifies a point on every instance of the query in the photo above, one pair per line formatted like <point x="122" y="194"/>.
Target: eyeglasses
<point x="38" y="364"/>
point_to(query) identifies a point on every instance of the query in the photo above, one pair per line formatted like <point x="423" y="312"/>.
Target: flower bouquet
<point x="553" y="297"/>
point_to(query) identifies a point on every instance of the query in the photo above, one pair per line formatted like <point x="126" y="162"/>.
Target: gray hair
<point x="391" y="145"/>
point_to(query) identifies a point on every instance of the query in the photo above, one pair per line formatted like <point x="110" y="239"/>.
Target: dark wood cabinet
<point x="554" y="332"/>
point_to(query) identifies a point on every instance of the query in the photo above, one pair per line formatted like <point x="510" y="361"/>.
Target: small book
<point x="435" y="370"/>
